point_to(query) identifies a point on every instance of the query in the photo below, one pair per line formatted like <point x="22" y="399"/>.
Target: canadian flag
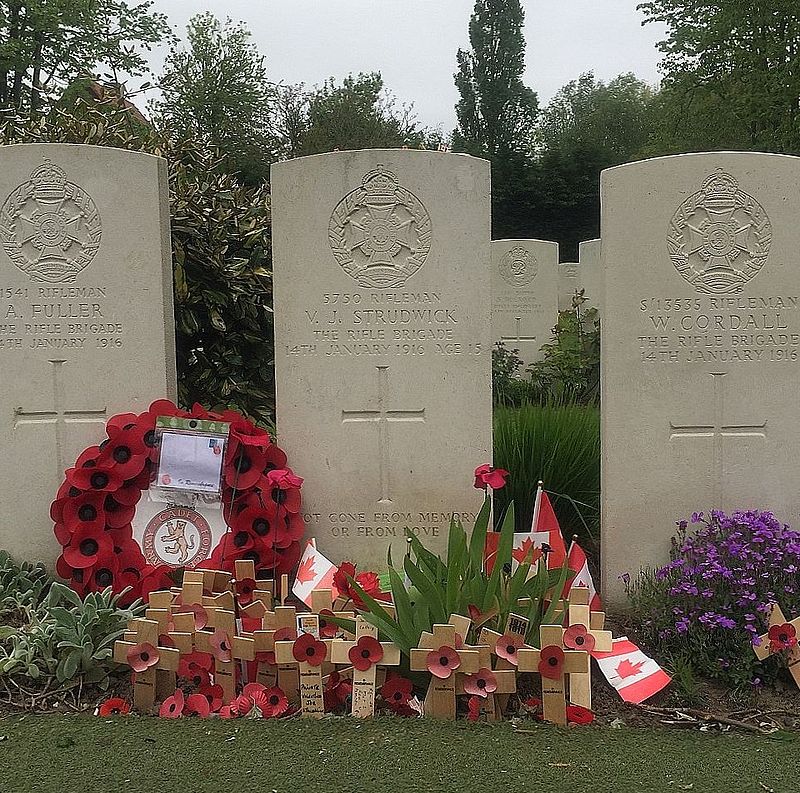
<point x="635" y="675"/>
<point x="314" y="572"/>
<point x="579" y="564"/>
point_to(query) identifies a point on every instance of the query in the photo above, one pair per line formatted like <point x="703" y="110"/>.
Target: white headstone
<point x="383" y="343"/>
<point x="591" y="274"/>
<point x="701" y="347"/>
<point x="86" y="318"/>
<point x="569" y="281"/>
<point x="524" y="295"/>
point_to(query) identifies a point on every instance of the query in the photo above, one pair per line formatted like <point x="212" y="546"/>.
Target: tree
<point x="215" y="91"/>
<point x="358" y="114"/>
<point x="47" y="44"/>
<point x="740" y="59"/>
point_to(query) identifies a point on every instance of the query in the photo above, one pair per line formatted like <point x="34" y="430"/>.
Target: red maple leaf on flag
<point x="305" y="572"/>
<point x="627" y="669"/>
<point x="523" y="553"/>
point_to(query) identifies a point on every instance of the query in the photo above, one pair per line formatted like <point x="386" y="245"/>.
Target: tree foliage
<point x="46" y="44"/>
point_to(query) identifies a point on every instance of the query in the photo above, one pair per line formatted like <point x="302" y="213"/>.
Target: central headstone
<point x="701" y="347"/>
<point x="86" y="319"/>
<point x="591" y="274"/>
<point x="383" y="343"/>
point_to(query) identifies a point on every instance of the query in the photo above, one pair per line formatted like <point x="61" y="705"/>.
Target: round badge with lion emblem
<point x="380" y="233"/>
<point x="719" y="237"/>
<point x="177" y="536"/>
<point x="518" y="267"/>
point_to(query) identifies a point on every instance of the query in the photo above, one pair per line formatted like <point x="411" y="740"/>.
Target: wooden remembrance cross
<point x="764" y="649"/>
<point x="286" y="677"/>
<point x="363" y="700"/>
<point x="579" y="613"/>
<point x="382" y="418"/>
<point x="240" y="647"/>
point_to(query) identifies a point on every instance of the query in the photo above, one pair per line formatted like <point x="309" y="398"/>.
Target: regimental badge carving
<point x="519" y="267"/>
<point x="177" y="536"/>
<point x="719" y="238"/>
<point x="380" y="233"/>
<point x="49" y="227"/>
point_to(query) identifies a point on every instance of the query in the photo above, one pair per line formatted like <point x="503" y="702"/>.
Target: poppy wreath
<point x="97" y="501"/>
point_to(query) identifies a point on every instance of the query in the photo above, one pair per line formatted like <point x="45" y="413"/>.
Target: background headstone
<point x="383" y="343"/>
<point x="701" y="347"/>
<point x="591" y="274"/>
<point x="524" y="295"/>
<point x="86" y="317"/>
<point x="569" y="279"/>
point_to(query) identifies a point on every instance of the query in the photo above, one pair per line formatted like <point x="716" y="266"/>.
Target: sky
<point x="413" y="43"/>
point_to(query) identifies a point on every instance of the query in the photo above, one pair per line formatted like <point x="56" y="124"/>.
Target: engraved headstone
<point x="591" y="274"/>
<point x="383" y="343"/>
<point x="701" y="347"/>
<point x="569" y="281"/>
<point x="86" y="318"/>
<point x="524" y="295"/>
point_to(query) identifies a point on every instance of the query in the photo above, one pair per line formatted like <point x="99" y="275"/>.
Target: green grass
<point x="71" y="753"/>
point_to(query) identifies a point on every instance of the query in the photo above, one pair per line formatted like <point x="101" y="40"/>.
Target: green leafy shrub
<point x="561" y="446"/>
<point x="22" y="587"/>
<point x="221" y="254"/>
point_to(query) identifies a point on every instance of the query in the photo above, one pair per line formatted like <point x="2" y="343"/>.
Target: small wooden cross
<point x="364" y="680"/>
<point x="262" y="594"/>
<point x="312" y="698"/>
<point x="579" y="613"/>
<point x="505" y="679"/>
<point x="240" y="648"/>
<point x="554" y="664"/>
<point x="777" y="640"/>
<point x="322" y="600"/>
<point x="506" y="661"/>
<point x="440" y="701"/>
<point x="142" y="631"/>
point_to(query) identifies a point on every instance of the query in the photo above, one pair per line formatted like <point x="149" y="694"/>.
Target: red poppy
<point x="172" y="707"/>
<point x="488" y="476"/>
<point x="782" y="637"/>
<point x="130" y="494"/>
<point x="507" y="645"/>
<point x="125" y="451"/>
<point x="368" y="581"/>
<point x="142" y="656"/>
<point x="197" y="705"/>
<point x="443" y="662"/>
<point x="276" y="458"/>
<point x="248" y="434"/>
<point x="76" y="576"/>
<point x="474" y="706"/>
<point x="228" y="712"/>
<point x="397" y="692"/>
<point x="121" y="421"/>
<point x="244" y="591"/>
<point x="256" y="521"/>
<point x="289" y="529"/>
<point x="117" y="514"/>
<point x="101" y="479"/>
<point x="481" y="684"/>
<point x="199" y="677"/>
<point x="337" y="690"/>
<point x="551" y="663"/>
<point x="365" y="653"/>
<point x="200" y="614"/>
<point x="63" y="534"/>
<point x="244" y="468"/>
<point x="103" y="573"/>
<point x="276" y="703"/>
<point x="154" y="579"/>
<point x="309" y="650"/>
<point x="576" y="637"/>
<point x="191" y="662"/>
<point x="85" y="510"/>
<point x="579" y="715"/>
<point x="115" y="706"/>
<point x="286" y="559"/>
<point x="87" y="545"/>
<point x="327" y="630"/>
<point x="221" y="643"/>
<point x="284" y="486"/>
<point x="214" y="695"/>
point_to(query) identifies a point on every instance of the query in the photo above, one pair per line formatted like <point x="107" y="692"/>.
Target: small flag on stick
<point x="634" y="675"/>
<point x="315" y="571"/>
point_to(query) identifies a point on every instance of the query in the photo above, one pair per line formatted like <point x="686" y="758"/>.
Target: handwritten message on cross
<point x="383" y="418"/>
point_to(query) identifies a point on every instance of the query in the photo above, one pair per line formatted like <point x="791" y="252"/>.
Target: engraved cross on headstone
<point x="59" y="417"/>
<point x="383" y="418"/>
<point x="718" y="431"/>
<point x="519" y="338"/>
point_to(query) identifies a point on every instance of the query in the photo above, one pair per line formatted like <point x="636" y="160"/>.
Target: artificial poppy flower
<point x="365" y="653"/>
<point x="199" y="613"/>
<point x="337" y="690"/>
<point x="172" y="707"/>
<point x="214" y="695"/>
<point x="474" y="705"/>
<point x="164" y="407"/>
<point x="200" y="412"/>
<point x="103" y="573"/>
<point x="140" y="482"/>
<point x="576" y="637"/>
<point x="63" y="534"/>
<point x="579" y="715"/>
<point x="290" y="527"/>
<point x="122" y="421"/>
<point x="154" y="579"/>
<point x="101" y="479"/>
<point x="125" y="451"/>
<point x="397" y="692"/>
<point x="368" y="581"/>
<point x="244" y="468"/>
<point x="191" y="662"/>
<point x="85" y="510"/>
<point x="117" y="514"/>
<point x="198" y="677"/>
<point x="275" y="458"/>
<point x="235" y="544"/>
<point x="89" y="457"/>
<point x="284" y="487"/>
<point x="142" y="656"/>
<point x="284" y="560"/>
<point x="307" y="649"/>
<point x="551" y="663"/>
<point x="256" y="521"/>
<point x="76" y="576"/>
<point x="341" y="579"/>
<point x="276" y="703"/>
<point x="221" y="643"/>
<point x="533" y="706"/>
<point x="227" y="712"/>
<point x="507" y="645"/>
<point x="782" y="637"/>
<point x="481" y="684"/>
<point x="197" y="705"/>
<point x="115" y="706"/>
<point x="443" y="662"/>
<point x="248" y="434"/>
<point x="327" y="630"/>
<point x="87" y="545"/>
<point x="244" y="591"/>
<point x="130" y="493"/>
<point x="488" y="476"/>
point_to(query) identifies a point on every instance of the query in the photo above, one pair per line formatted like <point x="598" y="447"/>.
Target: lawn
<point x="72" y="753"/>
